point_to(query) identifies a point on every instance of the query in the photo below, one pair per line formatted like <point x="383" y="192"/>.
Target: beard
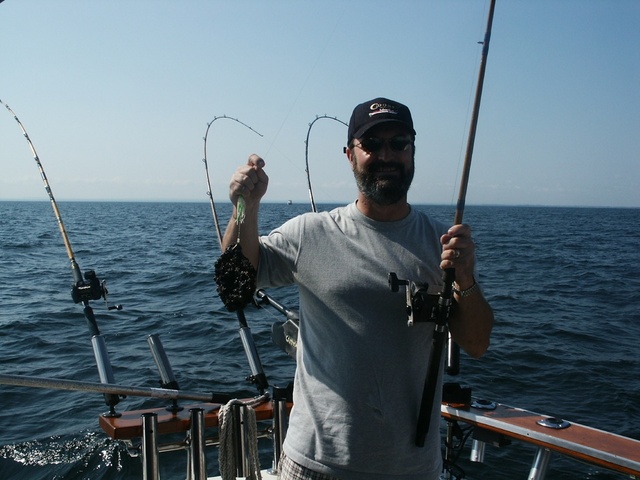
<point x="381" y="187"/>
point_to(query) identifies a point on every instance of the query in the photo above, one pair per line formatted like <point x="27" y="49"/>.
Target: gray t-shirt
<point x="360" y="368"/>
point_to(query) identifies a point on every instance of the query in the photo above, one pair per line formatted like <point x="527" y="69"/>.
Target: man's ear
<point x="349" y="153"/>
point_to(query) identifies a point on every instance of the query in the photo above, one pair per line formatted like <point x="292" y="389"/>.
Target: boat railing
<point x="145" y="433"/>
<point x="151" y="432"/>
<point x="496" y="426"/>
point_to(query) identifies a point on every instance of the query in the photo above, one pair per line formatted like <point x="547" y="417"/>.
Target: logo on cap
<point x="382" y="108"/>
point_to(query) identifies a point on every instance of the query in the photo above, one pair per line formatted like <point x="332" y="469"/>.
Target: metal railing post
<point x="279" y="426"/>
<point x="197" y="459"/>
<point x="150" y="464"/>
<point x="239" y="451"/>
<point x="540" y="464"/>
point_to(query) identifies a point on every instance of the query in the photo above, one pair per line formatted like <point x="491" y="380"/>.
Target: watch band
<point x="467" y="292"/>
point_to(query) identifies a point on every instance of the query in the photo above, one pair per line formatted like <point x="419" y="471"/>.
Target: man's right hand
<point x="250" y="181"/>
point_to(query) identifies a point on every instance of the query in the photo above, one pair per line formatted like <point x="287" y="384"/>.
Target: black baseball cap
<point x="377" y="111"/>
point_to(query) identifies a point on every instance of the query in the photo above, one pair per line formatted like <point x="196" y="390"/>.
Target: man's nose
<point x="385" y="151"/>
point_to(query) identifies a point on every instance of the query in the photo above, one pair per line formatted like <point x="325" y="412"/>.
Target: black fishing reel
<point x="88" y="289"/>
<point x="91" y="288"/>
<point x="421" y="306"/>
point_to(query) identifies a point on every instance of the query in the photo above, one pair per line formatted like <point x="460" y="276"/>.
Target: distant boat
<point x="289" y="202"/>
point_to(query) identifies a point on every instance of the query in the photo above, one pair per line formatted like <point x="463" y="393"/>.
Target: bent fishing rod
<point x="444" y="305"/>
<point x="234" y="272"/>
<point x="206" y="169"/>
<point x="285" y="334"/>
<point x="85" y="288"/>
<point x="306" y="156"/>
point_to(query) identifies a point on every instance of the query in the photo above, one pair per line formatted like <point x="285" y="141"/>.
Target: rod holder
<point x="477" y="451"/>
<point x="167" y="378"/>
<point x="105" y="371"/>
<point x="162" y="362"/>
<point x="102" y="359"/>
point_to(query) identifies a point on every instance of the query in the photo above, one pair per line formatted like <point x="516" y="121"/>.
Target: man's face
<point x="382" y="161"/>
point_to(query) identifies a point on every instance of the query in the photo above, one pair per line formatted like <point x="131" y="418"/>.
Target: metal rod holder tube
<point x="102" y="359"/>
<point x="150" y="464"/>
<point x="540" y="464"/>
<point x="161" y="360"/>
<point x="198" y="462"/>
<point x="477" y="451"/>
<point x="104" y="370"/>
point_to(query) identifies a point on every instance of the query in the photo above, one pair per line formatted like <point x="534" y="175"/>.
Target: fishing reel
<point x="91" y="288"/>
<point x="421" y="306"/>
<point x="88" y="289"/>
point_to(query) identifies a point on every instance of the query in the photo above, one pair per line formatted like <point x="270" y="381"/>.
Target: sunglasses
<point x="375" y="144"/>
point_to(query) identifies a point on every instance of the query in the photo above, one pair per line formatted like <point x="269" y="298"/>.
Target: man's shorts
<point x="290" y="470"/>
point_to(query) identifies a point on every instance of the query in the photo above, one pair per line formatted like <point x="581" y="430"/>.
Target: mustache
<point x="385" y="166"/>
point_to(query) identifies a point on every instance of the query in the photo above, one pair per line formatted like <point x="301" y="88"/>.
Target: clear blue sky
<point x="116" y="96"/>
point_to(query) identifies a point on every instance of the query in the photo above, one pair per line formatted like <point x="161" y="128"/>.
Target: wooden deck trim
<point x="129" y="424"/>
<point x="594" y="446"/>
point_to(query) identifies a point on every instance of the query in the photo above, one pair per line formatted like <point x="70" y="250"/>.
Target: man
<point x="360" y="369"/>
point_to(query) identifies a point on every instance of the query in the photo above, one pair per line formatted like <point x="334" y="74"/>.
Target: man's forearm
<point x="248" y="235"/>
<point x="471" y="324"/>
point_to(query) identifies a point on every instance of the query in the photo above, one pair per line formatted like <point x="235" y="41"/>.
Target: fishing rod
<point x="206" y="168"/>
<point x="440" y="335"/>
<point x="85" y="288"/>
<point x="306" y="156"/>
<point x="235" y="277"/>
<point x="285" y="334"/>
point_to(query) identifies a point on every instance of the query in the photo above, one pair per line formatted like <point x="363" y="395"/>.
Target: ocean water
<point x="564" y="284"/>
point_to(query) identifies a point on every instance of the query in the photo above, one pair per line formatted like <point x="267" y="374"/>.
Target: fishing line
<point x="306" y="156"/>
<point x="304" y="84"/>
